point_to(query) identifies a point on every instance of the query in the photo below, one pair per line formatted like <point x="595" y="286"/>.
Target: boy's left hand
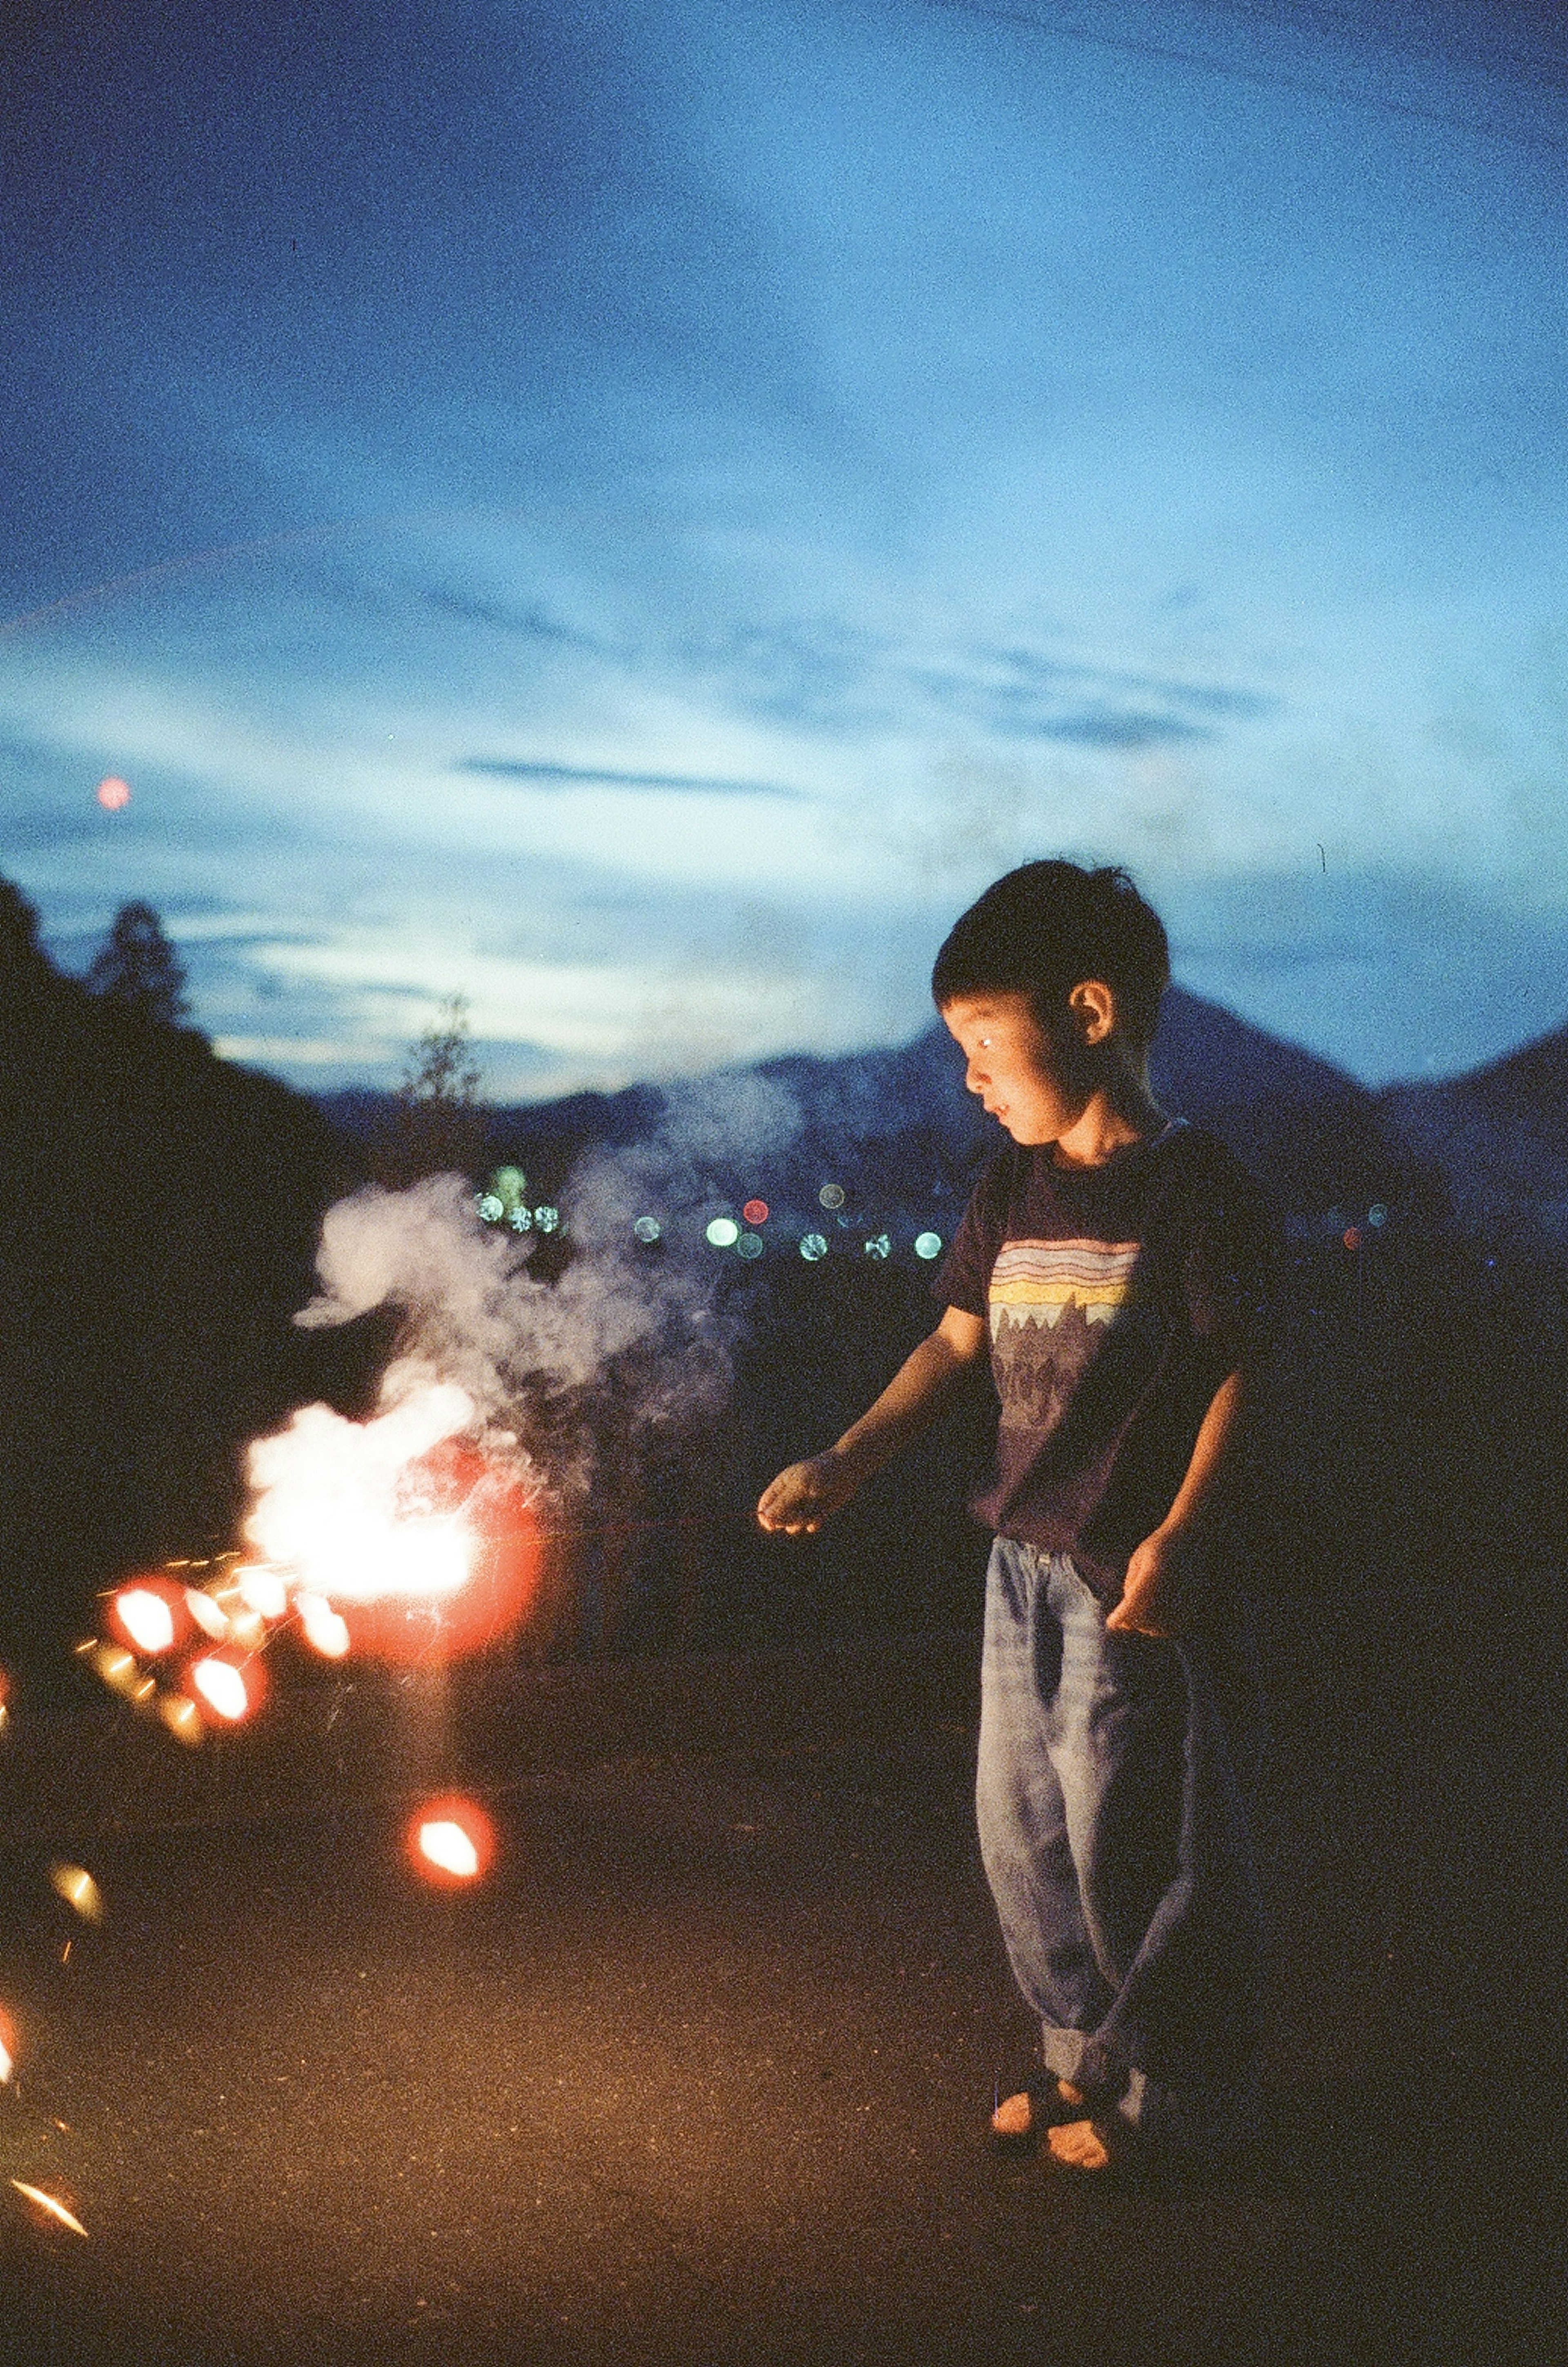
<point x="1158" y="1585"/>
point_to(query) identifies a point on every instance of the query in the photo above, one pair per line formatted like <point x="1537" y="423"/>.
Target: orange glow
<point x="48" y="2202"/>
<point x="181" y="1717"/>
<point x="76" y="1886"/>
<point x="7" y="2044"/>
<point x="450" y="1841"/>
<point x="150" y="1614"/>
<point x="230" y="1688"/>
<point x="113" y="793"/>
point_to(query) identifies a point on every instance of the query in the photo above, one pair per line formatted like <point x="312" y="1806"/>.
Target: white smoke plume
<point x="558" y="1373"/>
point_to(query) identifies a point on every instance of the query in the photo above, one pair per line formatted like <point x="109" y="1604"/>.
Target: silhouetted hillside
<point x="158" y="1221"/>
<point x="1499" y="1137"/>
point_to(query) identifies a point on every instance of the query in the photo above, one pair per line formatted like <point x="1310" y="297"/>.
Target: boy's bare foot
<point x="1015" y="2116"/>
<point x="1078" y="2144"/>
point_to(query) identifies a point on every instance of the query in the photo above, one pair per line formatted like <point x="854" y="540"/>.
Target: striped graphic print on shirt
<point x="1032" y="1282"/>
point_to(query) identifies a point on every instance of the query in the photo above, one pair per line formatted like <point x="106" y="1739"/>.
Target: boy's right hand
<point x="802" y="1497"/>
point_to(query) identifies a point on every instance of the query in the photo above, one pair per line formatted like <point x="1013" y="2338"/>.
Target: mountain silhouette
<point x="895" y="1130"/>
<point x="1499" y="1137"/>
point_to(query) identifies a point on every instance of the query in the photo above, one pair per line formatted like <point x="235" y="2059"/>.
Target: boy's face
<point x="1011" y="1065"/>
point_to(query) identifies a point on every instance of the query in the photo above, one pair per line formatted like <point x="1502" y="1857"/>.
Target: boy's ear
<point x="1093" y="1006"/>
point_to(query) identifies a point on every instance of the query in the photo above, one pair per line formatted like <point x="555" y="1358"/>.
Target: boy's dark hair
<point x="1043" y="929"/>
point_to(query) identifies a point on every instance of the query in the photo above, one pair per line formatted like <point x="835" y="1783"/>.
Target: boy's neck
<point x="1108" y="1123"/>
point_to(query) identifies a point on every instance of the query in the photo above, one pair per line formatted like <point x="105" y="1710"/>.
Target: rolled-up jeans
<point x="1110" y="1795"/>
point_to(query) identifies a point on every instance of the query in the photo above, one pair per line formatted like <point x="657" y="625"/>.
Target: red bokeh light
<point x="148" y="1615"/>
<point x="113" y="793"/>
<point x="508" y="1561"/>
<point x="450" y="1841"/>
<point x="755" y="1212"/>
<point x="1353" y="1237"/>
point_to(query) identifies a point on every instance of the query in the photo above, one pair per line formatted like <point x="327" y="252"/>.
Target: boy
<point x="1113" y="1262"/>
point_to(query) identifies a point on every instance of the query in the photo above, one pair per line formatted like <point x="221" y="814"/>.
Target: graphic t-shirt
<point x="1118" y="1297"/>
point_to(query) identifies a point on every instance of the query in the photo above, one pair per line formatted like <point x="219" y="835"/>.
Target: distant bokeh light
<point x="113" y="793"/>
<point x="520" y="1218"/>
<point x="547" y="1219"/>
<point x="492" y="1208"/>
<point x="928" y="1245"/>
<point x="755" y="1212"/>
<point x="831" y="1196"/>
<point x="648" y="1229"/>
<point x="879" y="1246"/>
<point x="813" y="1247"/>
<point x="749" y="1245"/>
<point x="723" y="1232"/>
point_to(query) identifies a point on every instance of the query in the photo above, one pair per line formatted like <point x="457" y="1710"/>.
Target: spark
<point x="181" y="1717"/>
<point x="446" y="1844"/>
<point x="222" y="1686"/>
<point x="209" y="1616"/>
<point x="450" y="1841"/>
<point x="146" y="1618"/>
<point x="48" y="2202"/>
<point x="78" y="1889"/>
<point x="325" y="1629"/>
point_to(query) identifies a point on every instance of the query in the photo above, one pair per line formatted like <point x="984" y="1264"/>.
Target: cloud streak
<point x="540" y="774"/>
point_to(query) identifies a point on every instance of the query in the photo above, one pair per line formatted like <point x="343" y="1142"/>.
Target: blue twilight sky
<point x="634" y="511"/>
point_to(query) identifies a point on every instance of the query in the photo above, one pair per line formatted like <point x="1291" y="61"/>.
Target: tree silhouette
<point x="139" y="969"/>
<point x="437" y="1123"/>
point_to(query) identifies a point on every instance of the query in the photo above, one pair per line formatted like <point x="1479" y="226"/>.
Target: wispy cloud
<point x="566" y="776"/>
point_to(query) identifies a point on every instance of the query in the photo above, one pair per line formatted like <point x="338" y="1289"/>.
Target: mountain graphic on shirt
<point x="1036" y="1282"/>
<point x="1055" y="1308"/>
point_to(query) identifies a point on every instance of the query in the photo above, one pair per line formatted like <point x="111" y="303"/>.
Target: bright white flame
<point x="222" y="1686"/>
<point x="262" y="1588"/>
<point x="146" y="1618"/>
<point x="446" y="1844"/>
<point x="6" y="2065"/>
<point x="327" y="1506"/>
<point x="324" y="1628"/>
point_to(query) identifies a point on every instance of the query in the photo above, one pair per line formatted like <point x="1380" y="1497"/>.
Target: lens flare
<point x="450" y="1841"/>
